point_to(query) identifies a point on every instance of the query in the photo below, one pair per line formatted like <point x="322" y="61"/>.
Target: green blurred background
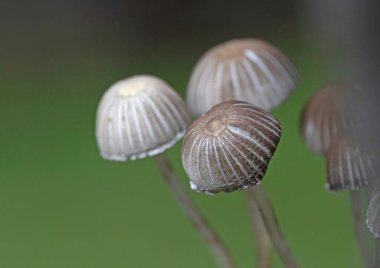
<point x="61" y="205"/>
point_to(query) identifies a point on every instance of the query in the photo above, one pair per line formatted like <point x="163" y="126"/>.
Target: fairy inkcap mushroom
<point x="327" y="115"/>
<point x="349" y="167"/>
<point x="229" y="147"/>
<point x="242" y="69"/>
<point x="139" y="116"/>
<point x="142" y="116"/>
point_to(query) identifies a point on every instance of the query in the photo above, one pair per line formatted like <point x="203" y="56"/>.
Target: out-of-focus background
<point x="61" y="205"/>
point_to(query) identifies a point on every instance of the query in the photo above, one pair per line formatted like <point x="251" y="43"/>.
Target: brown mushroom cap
<point x="229" y="147"/>
<point x="327" y="115"/>
<point x="139" y="116"/>
<point x="243" y="69"/>
<point x="349" y="167"/>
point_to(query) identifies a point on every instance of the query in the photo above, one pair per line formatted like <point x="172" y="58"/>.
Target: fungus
<point x="242" y="69"/>
<point x="229" y="149"/>
<point x="142" y="116"/>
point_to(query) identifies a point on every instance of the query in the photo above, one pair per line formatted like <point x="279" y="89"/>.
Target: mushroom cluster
<point x="328" y="123"/>
<point x="228" y="148"/>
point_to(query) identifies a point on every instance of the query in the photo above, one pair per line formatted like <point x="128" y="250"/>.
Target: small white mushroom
<point x="138" y="117"/>
<point x="242" y="69"/>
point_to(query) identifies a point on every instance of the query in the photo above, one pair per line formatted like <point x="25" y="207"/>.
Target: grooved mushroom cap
<point x="348" y="166"/>
<point x="373" y="213"/>
<point x="243" y="69"/>
<point x="326" y="116"/>
<point x="139" y="116"/>
<point x="229" y="147"/>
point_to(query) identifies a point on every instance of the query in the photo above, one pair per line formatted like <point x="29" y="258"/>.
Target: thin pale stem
<point x="263" y="243"/>
<point x="188" y="206"/>
<point x="265" y="207"/>
<point x="360" y="229"/>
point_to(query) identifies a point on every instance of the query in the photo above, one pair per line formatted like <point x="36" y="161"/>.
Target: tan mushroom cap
<point x="349" y="167"/>
<point x="328" y="115"/>
<point x="229" y="147"/>
<point x="139" y="116"/>
<point x="242" y="69"/>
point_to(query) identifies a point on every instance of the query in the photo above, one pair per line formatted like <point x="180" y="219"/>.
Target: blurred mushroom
<point x="142" y="116"/>
<point x="349" y="167"/>
<point x="242" y="69"/>
<point x="229" y="149"/>
<point x="327" y="115"/>
<point x="327" y="123"/>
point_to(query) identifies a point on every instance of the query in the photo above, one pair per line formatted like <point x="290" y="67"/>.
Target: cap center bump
<point x="216" y="125"/>
<point x="131" y="89"/>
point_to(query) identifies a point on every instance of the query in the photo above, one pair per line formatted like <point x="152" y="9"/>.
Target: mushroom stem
<point x="360" y="228"/>
<point x="188" y="206"/>
<point x="258" y="194"/>
<point x="263" y="243"/>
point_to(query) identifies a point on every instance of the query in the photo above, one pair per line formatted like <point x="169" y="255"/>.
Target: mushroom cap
<point x="242" y="69"/>
<point x="327" y="115"/>
<point x="373" y="213"/>
<point x="229" y="147"/>
<point x="139" y="116"/>
<point x="349" y="167"/>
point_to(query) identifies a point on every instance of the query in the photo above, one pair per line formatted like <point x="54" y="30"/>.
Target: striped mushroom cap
<point x="138" y="117"/>
<point x="243" y="69"/>
<point x="348" y="166"/>
<point x="373" y="213"/>
<point x="326" y="116"/>
<point x="229" y="147"/>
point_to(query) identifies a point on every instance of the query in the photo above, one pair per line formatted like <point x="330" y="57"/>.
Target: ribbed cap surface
<point x="348" y="167"/>
<point x="138" y="117"/>
<point x="229" y="148"/>
<point x="243" y="69"/>
<point x="327" y="115"/>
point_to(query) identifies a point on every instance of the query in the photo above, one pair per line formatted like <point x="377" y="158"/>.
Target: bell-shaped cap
<point x="139" y="116"/>
<point x="328" y="115"/>
<point x="229" y="147"/>
<point x="349" y="167"/>
<point x="243" y="69"/>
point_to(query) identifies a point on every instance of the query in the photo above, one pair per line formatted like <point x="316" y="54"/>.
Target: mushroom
<point x="242" y="69"/>
<point x="349" y="167"/>
<point x="327" y="115"/>
<point x="229" y="149"/>
<point x="326" y="127"/>
<point x="142" y="116"/>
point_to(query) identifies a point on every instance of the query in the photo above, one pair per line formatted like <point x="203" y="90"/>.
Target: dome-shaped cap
<point x="229" y="147"/>
<point x="373" y="213"/>
<point x="349" y="167"/>
<point x="243" y="69"/>
<point x="138" y="117"/>
<point x="327" y="115"/>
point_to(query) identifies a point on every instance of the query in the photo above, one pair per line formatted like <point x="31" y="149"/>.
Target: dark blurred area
<point x="38" y="33"/>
